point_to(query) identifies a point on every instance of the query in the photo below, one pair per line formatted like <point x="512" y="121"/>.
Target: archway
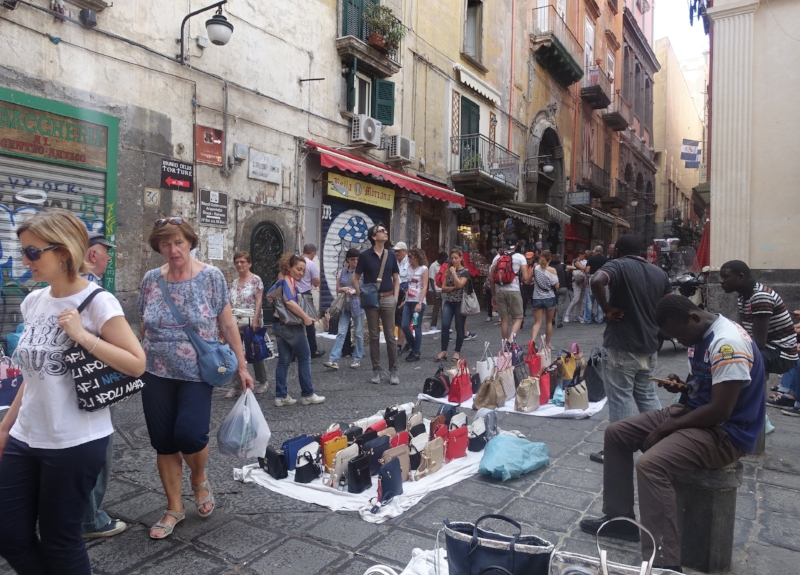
<point x="544" y="140"/>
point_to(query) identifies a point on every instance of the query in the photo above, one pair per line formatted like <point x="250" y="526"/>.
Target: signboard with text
<point x="265" y="167"/>
<point x="177" y="175"/>
<point x="579" y="198"/>
<point x="208" y="145"/>
<point x="359" y="191"/>
<point x="213" y="209"/>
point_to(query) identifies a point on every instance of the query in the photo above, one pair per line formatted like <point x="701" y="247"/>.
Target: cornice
<point x="641" y="41"/>
<point x="731" y="9"/>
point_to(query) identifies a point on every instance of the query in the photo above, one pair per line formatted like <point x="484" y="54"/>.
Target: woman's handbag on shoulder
<point x="369" y="292"/>
<point x="335" y="310"/>
<point x="278" y="300"/>
<point x="216" y="361"/>
<point x="98" y="385"/>
<point x="469" y="302"/>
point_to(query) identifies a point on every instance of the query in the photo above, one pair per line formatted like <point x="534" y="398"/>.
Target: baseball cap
<point x="98" y="238"/>
<point x="529" y="254"/>
<point x="400" y="246"/>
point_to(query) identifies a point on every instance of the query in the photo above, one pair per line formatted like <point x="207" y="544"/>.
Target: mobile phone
<point x="662" y="381"/>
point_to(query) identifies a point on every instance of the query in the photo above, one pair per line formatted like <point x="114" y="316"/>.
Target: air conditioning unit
<point x="400" y="150"/>
<point x="366" y="131"/>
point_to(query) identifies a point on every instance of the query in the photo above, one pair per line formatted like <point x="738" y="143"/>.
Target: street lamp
<point x="218" y="28"/>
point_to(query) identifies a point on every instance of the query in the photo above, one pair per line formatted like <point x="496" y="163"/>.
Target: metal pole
<point x="183" y="25"/>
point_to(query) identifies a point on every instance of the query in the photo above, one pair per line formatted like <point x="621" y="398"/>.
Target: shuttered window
<point x="383" y="101"/>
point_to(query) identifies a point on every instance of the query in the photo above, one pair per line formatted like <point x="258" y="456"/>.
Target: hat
<point x="400" y="246"/>
<point x="98" y="238"/>
<point x="529" y="255"/>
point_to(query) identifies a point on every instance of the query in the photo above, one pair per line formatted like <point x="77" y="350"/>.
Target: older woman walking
<point x="456" y="277"/>
<point x="176" y="400"/>
<point x="351" y="309"/>
<point x="51" y="452"/>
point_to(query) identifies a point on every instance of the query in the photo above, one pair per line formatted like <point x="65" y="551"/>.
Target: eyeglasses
<point x="33" y="253"/>
<point x="174" y="220"/>
<point x="237" y="262"/>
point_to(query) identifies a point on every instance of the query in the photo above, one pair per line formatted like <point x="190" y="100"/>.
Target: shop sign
<point x="176" y="175"/>
<point x="265" y="167"/>
<point x="213" y="209"/>
<point x="42" y="135"/>
<point x="359" y="191"/>
<point x="208" y="145"/>
<point x="579" y="198"/>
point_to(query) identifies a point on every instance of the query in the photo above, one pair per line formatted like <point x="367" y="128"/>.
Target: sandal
<point x="775" y="388"/>
<point x="441" y="357"/>
<point x="232" y="392"/>
<point x="261" y="389"/>
<point x="781" y="401"/>
<point x="454" y="358"/>
<point x="168" y="529"/>
<point x="208" y="499"/>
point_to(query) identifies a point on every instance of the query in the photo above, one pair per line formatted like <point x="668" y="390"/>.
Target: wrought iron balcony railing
<point x="476" y="153"/>
<point x="355" y="25"/>
<point x="595" y="178"/>
<point x="596" y="88"/>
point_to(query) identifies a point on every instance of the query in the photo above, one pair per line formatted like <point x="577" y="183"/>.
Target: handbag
<point x="338" y="476"/>
<point x="476" y="435"/>
<point x="491" y="393"/>
<point x="335" y="309"/>
<point x="306" y="302"/>
<point x="577" y="397"/>
<point x="593" y="376"/>
<point x="331" y="448"/>
<point x="415" y="450"/>
<point x="365" y="438"/>
<point x="333" y="432"/>
<point x="242" y="316"/>
<point x="388" y="432"/>
<point x="417" y="430"/>
<point x="278" y="300"/>
<point x="390" y="483"/>
<point x="274" y="463"/>
<point x="377" y="426"/>
<point x="351" y="433"/>
<point x="521" y="373"/>
<point x="471" y="549"/>
<point x="533" y="360"/>
<point x="216" y="361"/>
<point x="291" y="447"/>
<point x="566" y="365"/>
<point x="435" y="423"/>
<point x="545" y="357"/>
<point x="400" y="452"/>
<point x="359" y="478"/>
<point x="485" y="364"/>
<point x="460" y="387"/>
<point x="504" y="359"/>
<point x="469" y="301"/>
<point x="475" y="380"/>
<point x="507" y="379"/>
<point x="97" y="384"/>
<point x="414" y="420"/>
<point x="517" y="356"/>
<point x="545" y="387"/>
<point x="254" y="342"/>
<point x="458" y="420"/>
<point x="396" y="418"/>
<point x="375" y="449"/>
<point x="401" y="438"/>
<point x="527" y="398"/>
<point x="432" y="458"/>
<point x="456" y="444"/>
<point x="369" y="292"/>
<point x="438" y="385"/>
<point x="307" y="469"/>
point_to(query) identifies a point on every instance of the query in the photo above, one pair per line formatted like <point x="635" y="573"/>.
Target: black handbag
<point x="352" y="433"/>
<point x="438" y="385"/>
<point x="396" y="418"/>
<point x="593" y="376"/>
<point x="359" y="477"/>
<point x="471" y="550"/>
<point x="418" y="429"/>
<point x="475" y="380"/>
<point x="390" y="483"/>
<point x="274" y="463"/>
<point x="521" y="372"/>
<point x="308" y="471"/>
<point x="375" y="449"/>
<point x="365" y="438"/>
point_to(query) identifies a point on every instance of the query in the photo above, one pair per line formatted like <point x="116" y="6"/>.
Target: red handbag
<point x="544" y="388"/>
<point x="439" y="431"/>
<point x="399" y="439"/>
<point x="326" y="437"/>
<point x="456" y="443"/>
<point x="378" y="426"/>
<point x="460" y="386"/>
<point x="534" y="361"/>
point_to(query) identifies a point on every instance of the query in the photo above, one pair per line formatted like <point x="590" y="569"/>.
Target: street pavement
<point x="255" y="531"/>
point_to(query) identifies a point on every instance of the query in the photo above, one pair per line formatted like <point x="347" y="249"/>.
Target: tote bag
<point x="469" y="302"/>
<point x="486" y="363"/>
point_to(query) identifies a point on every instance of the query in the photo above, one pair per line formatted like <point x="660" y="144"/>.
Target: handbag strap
<point x="383" y="265"/>
<point x="89" y="299"/>
<point x="198" y="342"/>
<point x="485" y="351"/>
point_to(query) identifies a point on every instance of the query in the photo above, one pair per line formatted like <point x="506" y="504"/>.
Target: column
<point x="731" y="127"/>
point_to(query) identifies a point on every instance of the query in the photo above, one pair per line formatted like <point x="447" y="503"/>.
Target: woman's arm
<point x="295" y="308"/>
<point x="230" y="331"/>
<point x="259" y="302"/>
<point x="10" y="419"/>
<point x="424" y="290"/>
<point x="459" y="281"/>
<point x="116" y="346"/>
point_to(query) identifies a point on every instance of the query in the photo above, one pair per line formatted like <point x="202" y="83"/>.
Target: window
<point x="589" y="42"/>
<point x="363" y="95"/>
<point x="611" y="66"/>
<point x="473" y="30"/>
<point x="370" y="96"/>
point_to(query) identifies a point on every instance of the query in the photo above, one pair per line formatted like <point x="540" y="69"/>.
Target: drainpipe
<point x="511" y="80"/>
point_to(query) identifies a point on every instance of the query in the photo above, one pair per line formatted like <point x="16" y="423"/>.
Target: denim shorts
<point x="548" y="303"/>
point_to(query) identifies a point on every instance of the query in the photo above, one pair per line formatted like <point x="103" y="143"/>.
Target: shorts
<point x="547" y="303"/>
<point x="509" y="304"/>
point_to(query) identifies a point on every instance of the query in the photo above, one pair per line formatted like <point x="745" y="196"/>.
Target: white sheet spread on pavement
<point x="547" y="410"/>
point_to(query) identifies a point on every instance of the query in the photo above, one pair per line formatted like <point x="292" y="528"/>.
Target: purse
<point x="401" y="438"/>
<point x="97" y="384"/>
<point x="292" y="446"/>
<point x="278" y="300"/>
<point x="414" y="420"/>
<point x="438" y="385"/>
<point x="577" y="397"/>
<point x="566" y="366"/>
<point x="527" y="398"/>
<point x="242" y="316"/>
<point x="491" y="394"/>
<point x="365" y="438"/>
<point x="330" y="434"/>
<point x="485" y="364"/>
<point x="458" y="420"/>
<point x="456" y="444"/>
<point x="359" y="478"/>
<point x="469" y="301"/>
<point x="377" y="426"/>
<point x="400" y="452"/>
<point x="533" y="360"/>
<point x="307" y="470"/>
<point x="507" y="379"/>
<point x="476" y="435"/>
<point x="254" y="344"/>
<point x="216" y="361"/>
<point x="545" y="387"/>
<point x="369" y="292"/>
<point x="338" y="476"/>
<point x="415" y="450"/>
<point x="390" y="483"/>
<point x="475" y="380"/>
<point x="417" y="430"/>
<point x="352" y="432"/>
<point x="472" y="550"/>
<point x="440" y="419"/>
<point x="397" y="419"/>
<point x="335" y="309"/>
<point x="432" y="458"/>
<point x="521" y="373"/>
<point x="388" y="432"/>
<point x="274" y="463"/>
<point x="375" y="449"/>
<point x="593" y="376"/>
<point x="460" y="386"/>
<point x="331" y="448"/>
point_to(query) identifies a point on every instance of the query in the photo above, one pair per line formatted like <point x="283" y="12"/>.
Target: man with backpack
<point x="508" y="268"/>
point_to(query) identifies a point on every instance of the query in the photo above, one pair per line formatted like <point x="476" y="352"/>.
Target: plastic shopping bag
<point x="244" y="433"/>
<point x="507" y="457"/>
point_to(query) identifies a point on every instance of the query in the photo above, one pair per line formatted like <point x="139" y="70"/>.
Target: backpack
<point x="504" y="270"/>
<point x="438" y="385"/>
<point x="440" y="275"/>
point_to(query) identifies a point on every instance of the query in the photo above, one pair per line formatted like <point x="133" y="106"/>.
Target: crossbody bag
<point x="369" y="292"/>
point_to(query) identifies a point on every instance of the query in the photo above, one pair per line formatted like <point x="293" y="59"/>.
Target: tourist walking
<point x="591" y="310"/>
<point x="350" y="310"/>
<point x="434" y="290"/>
<point x="564" y="273"/>
<point x="579" y="283"/>
<point x="452" y="295"/>
<point x="545" y="282"/>
<point x="508" y="268"/>
<point x="403" y="265"/>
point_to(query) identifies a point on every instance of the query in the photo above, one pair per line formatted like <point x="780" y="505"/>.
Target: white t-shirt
<point x="405" y="269"/>
<point x="415" y="283"/>
<point x="517" y="261"/>
<point x="312" y="273"/>
<point x="49" y="417"/>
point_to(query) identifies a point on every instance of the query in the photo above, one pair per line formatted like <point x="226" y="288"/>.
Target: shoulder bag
<point x="432" y="458"/>
<point x="278" y="300"/>
<point x="98" y="385"/>
<point x="369" y="292"/>
<point x="375" y="449"/>
<point x="527" y="397"/>
<point x="331" y="448"/>
<point x="469" y="302"/>
<point x="455" y="444"/>
<point x="390" y="484"/>
<point x="477" y="435"/>
<point x="533" y="360"/>
<point x="486" y="363"/>
<point x="291" y="447"/>
<point x="438" y="385"/>
<point x="338" y="476"/>
<point x="216" y="361"/>
<point x="359" y="478"/>
<point x="400" y="452"/>
<point x="307" y="468"/>
<point x="593" y="376"/>
<point x="460" y="386"/>
<point x="491" y="394"/>
<point x="274" y="463"/>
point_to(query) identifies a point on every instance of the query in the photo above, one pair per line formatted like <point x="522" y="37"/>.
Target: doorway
<point x="470" y="135"/>
<point x="430" y="239"/>
<point x="266" y="249"/>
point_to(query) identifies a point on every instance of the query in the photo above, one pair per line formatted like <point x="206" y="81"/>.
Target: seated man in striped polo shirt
<point x="763" y="315"/>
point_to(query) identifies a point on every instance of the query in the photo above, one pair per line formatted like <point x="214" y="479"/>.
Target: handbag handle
<point x="647" y="566"/>
<point x="380" y="570"/>
<point x="474" y="543"/>
<point x="485" y="355"/>
<point x="575" y="349"/>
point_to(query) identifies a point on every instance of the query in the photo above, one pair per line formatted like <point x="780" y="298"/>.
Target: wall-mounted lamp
<point x="634" y="203"/>
<point x="454" y="206"/>
<point x="88" y="17"/>
<point x="341" y="189"/>
<point x="218" y="28"/>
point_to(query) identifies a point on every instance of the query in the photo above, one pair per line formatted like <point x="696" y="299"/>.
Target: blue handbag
<point x="216" y="361"/>
<point x="390" y="484"/>
<point x="292" y="446"/>
<point x="369" y="292"/>
<point x="255" y="346"/>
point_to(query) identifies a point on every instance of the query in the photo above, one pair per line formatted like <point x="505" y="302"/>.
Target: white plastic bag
<point x="244" y="433"/>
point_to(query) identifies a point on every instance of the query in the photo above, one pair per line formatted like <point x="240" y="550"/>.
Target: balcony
<point x="593" y="178"/>
<point x="555" y="47"/>
<point x="354" y="44"/>
<point x="618" y="115"/>
<point x="484" y="167"/>
<point x="596" y="88"/>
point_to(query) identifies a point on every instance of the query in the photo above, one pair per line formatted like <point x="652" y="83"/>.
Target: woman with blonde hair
<point x="545" y="282"/>
<point x="51" y="452"/>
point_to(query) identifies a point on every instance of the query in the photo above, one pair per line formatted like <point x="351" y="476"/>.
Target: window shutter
<point x="351" y="19"/>
<point x="383" y="101"/>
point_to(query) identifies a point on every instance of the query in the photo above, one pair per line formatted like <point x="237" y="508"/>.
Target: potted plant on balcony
<point x="385" y="31"/>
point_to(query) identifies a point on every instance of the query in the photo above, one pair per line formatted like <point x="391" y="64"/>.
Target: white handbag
<point x="486" y="363"/>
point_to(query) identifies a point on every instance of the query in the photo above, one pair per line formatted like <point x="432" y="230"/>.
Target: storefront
<point x="51" y="156"/>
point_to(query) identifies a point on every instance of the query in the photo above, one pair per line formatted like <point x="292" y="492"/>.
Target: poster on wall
<point x="213" y="209"/>
<point x="265" y="167"/>
<point x="208" y="145"/>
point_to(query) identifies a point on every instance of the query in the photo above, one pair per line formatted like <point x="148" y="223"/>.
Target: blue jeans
<point x="414" y="338"/>
<point x="95" y="518"/>
<point x="790" y="383"/>
<point x="51" y="486"/>
<point x="358" y="326"/>
<point x="292" y="342"/>
<point x="450" y="310"/>
<point x="626" y="376"/>
<point x="590" y="306"/>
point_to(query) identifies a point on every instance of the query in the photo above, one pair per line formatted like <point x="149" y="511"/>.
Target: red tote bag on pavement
<point x="456" y="443"/>
<point x="534" y="361"/>
<point x="460" y="386"/>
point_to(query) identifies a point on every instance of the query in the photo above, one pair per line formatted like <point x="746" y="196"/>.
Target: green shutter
<point x="351" y="19"/>
<point x="383" y="101"/>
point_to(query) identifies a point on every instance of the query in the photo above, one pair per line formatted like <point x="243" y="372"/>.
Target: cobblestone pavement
<point x="254" y="531"/>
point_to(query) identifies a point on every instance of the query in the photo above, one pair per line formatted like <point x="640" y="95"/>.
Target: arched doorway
<point x="266" y="248"/>
<point x="544" y="140"/>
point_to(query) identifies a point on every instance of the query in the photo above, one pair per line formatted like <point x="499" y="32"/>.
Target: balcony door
<point x="589" y="43"/>
<point x="470" y="135"/>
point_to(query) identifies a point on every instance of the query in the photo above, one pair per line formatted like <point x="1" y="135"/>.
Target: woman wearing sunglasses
<point x="176" y="401"/>
<point x="51" y="452"/>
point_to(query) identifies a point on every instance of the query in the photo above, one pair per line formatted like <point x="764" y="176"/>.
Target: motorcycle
<point x="692" y="286"/>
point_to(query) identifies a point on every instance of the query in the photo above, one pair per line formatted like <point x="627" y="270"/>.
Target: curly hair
<point x="674" y="307"/>
<point x="419" y="255"/>
<point x="288" y="261"/>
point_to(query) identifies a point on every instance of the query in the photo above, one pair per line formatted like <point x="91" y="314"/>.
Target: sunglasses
<point x="241" y="262"/>
<point x="174" y="220"/>
<point x="33" y="253"/>
<point x="380" y="231"/>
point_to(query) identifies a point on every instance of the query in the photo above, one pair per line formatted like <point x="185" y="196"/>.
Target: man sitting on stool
<point x="718" y="419"/>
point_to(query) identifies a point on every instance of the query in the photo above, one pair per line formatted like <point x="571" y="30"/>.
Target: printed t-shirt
<point x="415" y="283"/>
<point x="49" y="417"/>
<point x="517" y="261"/>
<point x="780" y="335"/>
<point x="456" y="294"/>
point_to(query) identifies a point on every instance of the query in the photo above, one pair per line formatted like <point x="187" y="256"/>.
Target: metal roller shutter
<point x="28" y="187"/>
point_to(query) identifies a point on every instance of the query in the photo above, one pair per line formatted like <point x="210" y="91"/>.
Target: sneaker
<point x="617" y="530"/>
<point x="488" y="319"/>
<point x="355" y="364"/>
<point x="412" y="357"/>
<point x="394" y="379"/>
<point x="566" y="319"/>
<point x="283" y="401"/>
<point x="597" y="457"/>
<point x="560" y="325"/>
<point x="376" y="376"/>
<point x="312" y="399"/>
<point x="471" y="336"/>
<point x="494" y="314"/>
<point x="113" y="527"/>
<point x="793" y="412"/>
<point x="331" y="364"/>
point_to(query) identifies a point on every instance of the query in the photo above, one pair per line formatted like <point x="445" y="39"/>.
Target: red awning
<point x="332" y="158"/>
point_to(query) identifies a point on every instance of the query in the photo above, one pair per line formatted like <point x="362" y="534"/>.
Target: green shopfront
<point x="52" y="155"/>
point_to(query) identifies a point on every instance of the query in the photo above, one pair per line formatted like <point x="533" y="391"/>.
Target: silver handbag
<point x="469" y="303"/>
<point x="285" y="317"/>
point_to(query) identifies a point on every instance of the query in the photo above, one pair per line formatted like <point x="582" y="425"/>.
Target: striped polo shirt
<point x="765" y="301"/>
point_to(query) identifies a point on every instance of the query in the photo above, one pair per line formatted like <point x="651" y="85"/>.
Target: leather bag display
<point x="390" y="482"/>
<point x="417" y="430"/>
<point x="460" y="386"/>
<point x="521" y="372"/>
<point x="396" y="418"/>
<point x="456" y="444"/>
<point x="375" y="449"/>
<point x="369" y="292"/>
<point x="432" y="458"/>
<point x="338" y="478"/>
<point x="402" y="453"/>
<point x="365" y="438"/>
<point x="485" y="364"/>
<point x="291" y="446"/>
<point x="377" y="426"/>
<point x="491" y="394"/>
<point x="359" y="478"/>
<point x="577" y="397"/>
<point x="458" y="420"/>
<point x="414" y="420"/>
<point x="307" y="468"/>
<point x="352" y="432"/>
<point x="471" y="549"/>
<point x="331" y="448"/>
<point x="533" y="360"/>
<point x="593" y="376"/>
<point x="507" y="379"/>
<point x="477" y="435"/>
<point x="274" y="463"/>
<point x="434" y="424"/>
<point x="401" y="438"/>
<point x="527" y="398"/>
<point x="438" y="385"/>
<point x="388" y="432"/>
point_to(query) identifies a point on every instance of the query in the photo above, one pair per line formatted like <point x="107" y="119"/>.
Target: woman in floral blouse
<point x="246" y="292"/>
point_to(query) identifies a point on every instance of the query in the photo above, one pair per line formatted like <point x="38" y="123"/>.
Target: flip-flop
<point x="168" y="529"/>
<point x="774" y="387"/>
<point x="782" y="401"/>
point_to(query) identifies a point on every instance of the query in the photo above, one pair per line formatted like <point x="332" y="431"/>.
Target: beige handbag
<point x="490" y="393"/>
<point x="576" y="396"/>
<point x="432" y="458"/>
<point x="507" y="379"/>
<point x="400" y="452"/>
<point x="527" y="396"/>
<point x="340" y="465"/>
<point x="415" y="419"/>
<point x="390" y="431"/>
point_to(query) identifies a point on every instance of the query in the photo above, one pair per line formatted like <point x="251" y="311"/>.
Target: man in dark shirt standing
<point x="369" y="265"/>
<point x="593" y="264"/>
<point x="630" y="340"/>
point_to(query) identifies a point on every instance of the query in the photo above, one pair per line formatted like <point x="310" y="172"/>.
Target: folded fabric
<point x="507" y="457"/>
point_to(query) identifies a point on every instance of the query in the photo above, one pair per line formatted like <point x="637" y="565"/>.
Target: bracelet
<point x="95" y="344"/>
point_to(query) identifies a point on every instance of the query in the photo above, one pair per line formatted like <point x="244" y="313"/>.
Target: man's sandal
<point x="168" y="529"/>
<point x="781" y="400"/>
<point x="209" y="498"/>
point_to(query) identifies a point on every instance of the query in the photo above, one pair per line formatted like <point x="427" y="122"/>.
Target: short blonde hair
<point x="60" y="228"/>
